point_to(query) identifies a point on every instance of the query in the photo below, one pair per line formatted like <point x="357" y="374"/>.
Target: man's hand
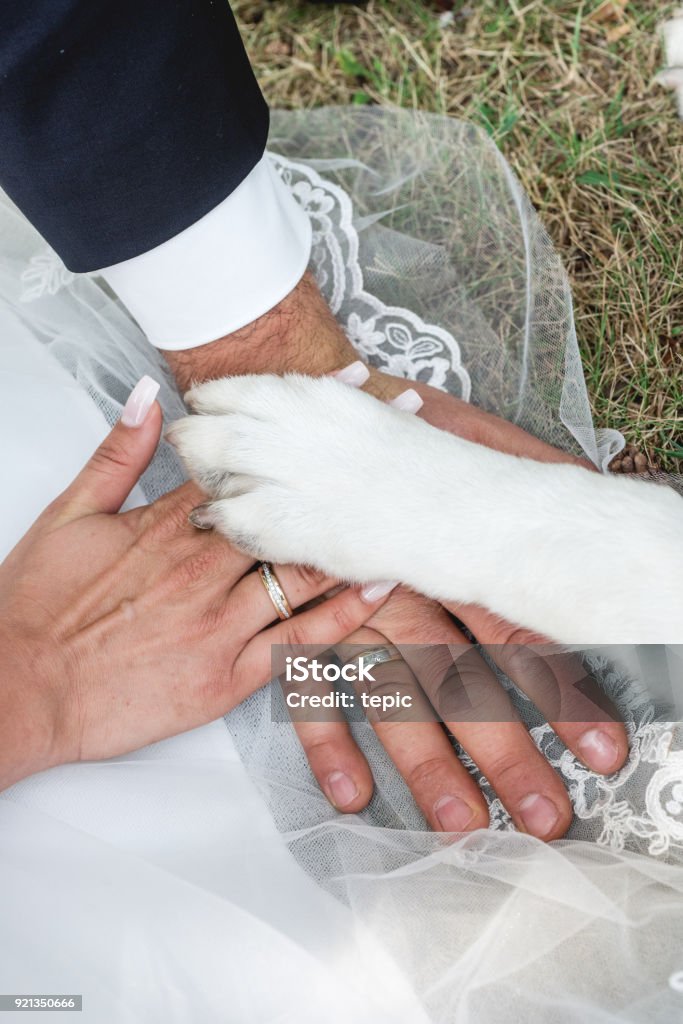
<point x="117" y="630"/>
<point x="448" y="796"/>
<point x="302" y="335"/>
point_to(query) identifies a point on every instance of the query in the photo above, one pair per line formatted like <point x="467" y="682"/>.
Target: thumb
<point x="115" y="467"/>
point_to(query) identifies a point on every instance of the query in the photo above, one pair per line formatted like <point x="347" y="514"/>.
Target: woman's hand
<point x="121" y="629"/>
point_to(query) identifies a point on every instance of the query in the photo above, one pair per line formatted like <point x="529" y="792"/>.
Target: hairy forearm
<point x="299" y="335"/>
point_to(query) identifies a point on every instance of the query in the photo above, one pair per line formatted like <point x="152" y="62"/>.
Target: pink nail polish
<point x="343" y="789"/>
<point x="139" y="402"/>
<point x="408" y="401"/>
<point x="355" y="374"/>
<point x="372" y="592"/>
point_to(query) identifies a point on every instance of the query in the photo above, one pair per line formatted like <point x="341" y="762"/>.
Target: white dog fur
<point x="311" y="471"/>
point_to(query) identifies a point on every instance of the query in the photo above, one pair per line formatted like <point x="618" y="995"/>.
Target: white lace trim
<point x="389" y="337"/>
<point x="45" y="274"/>
<point x="640" y="807"/>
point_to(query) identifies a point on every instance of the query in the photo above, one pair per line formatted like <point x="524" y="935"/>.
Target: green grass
<point x="596" y="144"/>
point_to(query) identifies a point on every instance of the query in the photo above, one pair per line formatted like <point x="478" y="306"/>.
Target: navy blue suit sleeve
<point x="122" y="122"/>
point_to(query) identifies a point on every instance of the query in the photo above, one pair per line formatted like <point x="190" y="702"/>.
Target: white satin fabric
<point x="155" y="884"/>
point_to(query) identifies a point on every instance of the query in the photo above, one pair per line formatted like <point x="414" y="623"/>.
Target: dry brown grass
<point x="595" y="142"/>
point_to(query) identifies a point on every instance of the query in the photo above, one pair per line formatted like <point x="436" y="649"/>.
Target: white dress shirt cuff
<point x="224" y="271"/>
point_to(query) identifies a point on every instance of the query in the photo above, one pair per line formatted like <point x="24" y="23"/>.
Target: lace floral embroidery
<point x="640" y="807"/>
<point x="391" y="338"/>
<point x="44" y="275"/>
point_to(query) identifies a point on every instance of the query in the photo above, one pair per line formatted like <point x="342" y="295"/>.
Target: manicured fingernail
<point x="342" y="788"/>
<point x="409" y="401"/>
<point x="373" y="591"/>
<point x="201" y="517"/>
<point x="139" y="402"/>
<point x="598" y="750"/>
<point x="453" y="814"/>
<point x="540" y="815"/>
<point x="355" y="374"/>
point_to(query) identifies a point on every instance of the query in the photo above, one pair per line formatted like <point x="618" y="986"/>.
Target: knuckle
<point x="434" y="667"/>
<point x="311" y="578"/>
<point x="516" y="636"/>
<point x="193" y="570"/>
<point x="168" y="520"/>
<point x="505" y="633"/>
<point x="509" y="634"/>
<point x="168" y="515"/>
<point x="344" y="620"/>
<point x="210" y="621"/>
<point x="297" y="633"/>
<point x="414" y="619"/>
<point x="426" y="774"/>
<point x="471" y="678"/>
<point x="321" y="750"/>
<point x="175" y="519"/>
<point x="505" y="767"/>
<point x="111" y="453"/>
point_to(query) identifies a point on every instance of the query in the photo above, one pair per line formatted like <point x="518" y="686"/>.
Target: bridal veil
<point x="434" y="262"/>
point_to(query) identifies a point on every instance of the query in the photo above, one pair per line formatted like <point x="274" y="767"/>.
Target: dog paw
<point x="300" y="469"/>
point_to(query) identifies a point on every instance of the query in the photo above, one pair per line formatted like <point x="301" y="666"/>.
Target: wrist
<point x="28" y="712"/>
<point x="299" y="335"/>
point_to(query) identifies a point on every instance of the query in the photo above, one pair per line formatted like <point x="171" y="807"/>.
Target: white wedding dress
<point x="205" y="878"/>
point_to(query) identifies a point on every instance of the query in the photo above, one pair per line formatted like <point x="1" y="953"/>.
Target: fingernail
<point x="453" y="814"/>
<point x="373" y="591"/>
<point x="139" y="402"/>
<point x="540" y="815"/>
<point x="598" y="750"/>
<point x="200" y="517"/>
<point x="343" y="789"/>
<point x="355" y="374"/>
<point x="409" y="401"/>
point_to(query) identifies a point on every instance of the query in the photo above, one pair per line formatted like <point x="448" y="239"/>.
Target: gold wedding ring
<point x="274" y="590"/>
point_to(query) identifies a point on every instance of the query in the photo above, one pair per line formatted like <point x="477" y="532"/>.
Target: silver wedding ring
<point x="274" y="590"/>
<point x="376" y="656"/>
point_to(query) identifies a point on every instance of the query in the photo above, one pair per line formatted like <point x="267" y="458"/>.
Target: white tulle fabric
<point x="435" y="264"/>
